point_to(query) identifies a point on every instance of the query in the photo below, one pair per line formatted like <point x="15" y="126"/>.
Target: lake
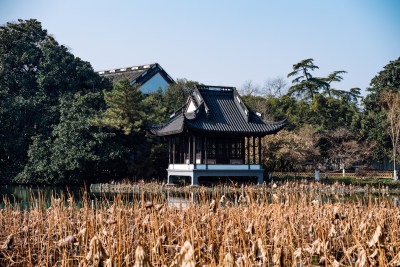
<point x="23" y="194"/>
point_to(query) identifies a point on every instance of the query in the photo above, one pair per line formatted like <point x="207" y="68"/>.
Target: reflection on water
<point x="180" y="201"/>
<point x="24" y="194"/>
<point x="21" y="194"/>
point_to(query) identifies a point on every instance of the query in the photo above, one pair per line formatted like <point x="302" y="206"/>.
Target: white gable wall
<point x="191" y="107"/>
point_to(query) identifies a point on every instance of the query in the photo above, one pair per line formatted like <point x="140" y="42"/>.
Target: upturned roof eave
<point x="241" y="133"/>
<point x="186" y="123"/>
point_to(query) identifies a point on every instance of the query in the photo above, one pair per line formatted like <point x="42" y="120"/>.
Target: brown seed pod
<point x="8" y="243"/>
<point x="141" y="259"/>
<point x="97" y="253"/>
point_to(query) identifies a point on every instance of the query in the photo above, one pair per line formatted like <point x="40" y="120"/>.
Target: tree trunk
<point x="394" y="165"/>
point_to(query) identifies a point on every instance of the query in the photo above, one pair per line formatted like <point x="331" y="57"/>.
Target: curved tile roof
<point x="220" y="110"/>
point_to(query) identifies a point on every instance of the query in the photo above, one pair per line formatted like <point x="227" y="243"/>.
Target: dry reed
<point x="248" y="228"/>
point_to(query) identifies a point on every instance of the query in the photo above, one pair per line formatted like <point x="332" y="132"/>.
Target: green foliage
<point x="305" y="85"/>
<point x="323" y="113"/>
<point x="373" y="120"/>
<point x="386" y="80"/>
<point x="76" y="148"/>
<point x="35" y="74"/>
<point x="61" y="122"/>
<point x="176" y="95"/>
<point x="373" y="129"/>
<point x="310" y="104"/>
<point x="124" y="108"/>
<point x="329" y="113"/>
<point x="155" y="107"/>
<point x="333" y="77"/>
<point x="129" y="111"/>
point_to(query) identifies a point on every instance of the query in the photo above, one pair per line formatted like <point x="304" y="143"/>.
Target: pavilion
<point x="215" y="134"/>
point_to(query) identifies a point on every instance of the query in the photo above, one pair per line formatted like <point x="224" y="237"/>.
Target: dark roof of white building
<point x="135" y="74"/>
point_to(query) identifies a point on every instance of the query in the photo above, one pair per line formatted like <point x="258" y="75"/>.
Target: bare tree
<point x="347" y="149"/>
<point x="391" y="104"/>
<point x="287" y="151"/>
<point x="276" y="87"/>
<point x="249" y="88"/>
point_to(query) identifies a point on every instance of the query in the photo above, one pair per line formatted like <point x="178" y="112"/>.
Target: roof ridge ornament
<point x="242" y="106"/>
<point x="139" y="67"/>
<point x="200" y="98"/>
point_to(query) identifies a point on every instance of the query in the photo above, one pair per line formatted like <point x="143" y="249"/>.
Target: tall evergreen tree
<point x="76" y="149"/>
<point x="125" y="110"/>
<point x="373" y="121"/>
<point x="35" y="74"/>
<point x="305" y="85"/>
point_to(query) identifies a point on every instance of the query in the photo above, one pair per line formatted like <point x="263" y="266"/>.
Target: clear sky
<point x="224" y="42"/>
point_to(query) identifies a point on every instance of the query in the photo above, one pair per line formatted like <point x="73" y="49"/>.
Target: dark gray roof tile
<point x="134" y="73"/>
<point x="225" y="116"/>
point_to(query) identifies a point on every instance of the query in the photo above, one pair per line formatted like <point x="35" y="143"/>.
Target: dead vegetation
<point x="250" y="228"/>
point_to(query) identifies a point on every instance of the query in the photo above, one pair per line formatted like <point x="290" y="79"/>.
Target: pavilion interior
<point x="217" y="149"/>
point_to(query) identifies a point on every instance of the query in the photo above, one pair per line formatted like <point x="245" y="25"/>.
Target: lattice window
<point x="211" y="149"/>
<point x="235" y="149"/>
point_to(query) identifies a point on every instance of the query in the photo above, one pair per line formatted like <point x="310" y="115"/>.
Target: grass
<point x="371" y="181"/>
<point x="280" y="224"/>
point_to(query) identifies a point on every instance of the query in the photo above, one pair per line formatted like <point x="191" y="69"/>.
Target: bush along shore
<point x="281" y="228"/>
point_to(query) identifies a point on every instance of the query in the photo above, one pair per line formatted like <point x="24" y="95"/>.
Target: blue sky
<point x="224" y="42"/>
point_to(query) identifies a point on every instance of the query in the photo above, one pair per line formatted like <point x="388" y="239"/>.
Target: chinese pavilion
<point x="215" y="134"/>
